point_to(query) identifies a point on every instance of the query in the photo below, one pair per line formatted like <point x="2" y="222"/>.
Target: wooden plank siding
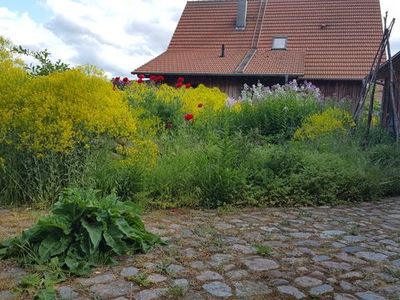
<point x="386" y="106"/>
<point x="232" y="85"/>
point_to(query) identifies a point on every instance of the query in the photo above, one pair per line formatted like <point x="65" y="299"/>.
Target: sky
<point x="117" y="36"/>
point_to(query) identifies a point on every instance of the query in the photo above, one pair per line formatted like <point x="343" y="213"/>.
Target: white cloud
<point x="117" y="36"/>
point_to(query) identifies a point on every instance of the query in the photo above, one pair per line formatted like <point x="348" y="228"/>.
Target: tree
<point x="45" y="66"/>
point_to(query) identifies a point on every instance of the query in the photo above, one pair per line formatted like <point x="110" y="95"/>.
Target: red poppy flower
<point x="188" y="117"/>
<point x="153" y="78"/>
<point x="160" y="78"/>
<point x="125" y="80"/>
<point x="200" y="105"/>
<point x="181" y="80"/>
<point x="188" y="85"/>
<point x="140" y="80"/>
<point x="141" y="76"/>
<point x="179" y="85"/>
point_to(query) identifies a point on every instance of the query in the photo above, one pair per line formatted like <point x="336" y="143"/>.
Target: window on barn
<point x="279" y="43"/>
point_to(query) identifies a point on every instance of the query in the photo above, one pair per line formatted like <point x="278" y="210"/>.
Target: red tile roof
<point x="327" y="39"/>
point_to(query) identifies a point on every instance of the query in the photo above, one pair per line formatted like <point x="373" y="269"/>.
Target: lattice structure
<point x="370" y="82"/>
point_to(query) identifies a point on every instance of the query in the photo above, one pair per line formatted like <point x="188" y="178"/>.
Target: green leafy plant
<point x="140" y="279"/>
<point x="45" y="66"/>
<point x="82" y="231"/>
<point x="263" y="250"/>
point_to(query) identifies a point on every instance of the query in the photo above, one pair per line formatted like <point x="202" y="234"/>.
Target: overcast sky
<point x="118" y="35"/>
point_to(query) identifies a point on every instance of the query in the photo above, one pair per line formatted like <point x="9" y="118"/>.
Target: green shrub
<point x="198" y="171"/>
<point x="275" y="118"/>
<point x="82" y="231"/>
<point x="297" y="174"/>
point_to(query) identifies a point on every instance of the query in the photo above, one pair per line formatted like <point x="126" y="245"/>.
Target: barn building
<point x="227" y="43"/>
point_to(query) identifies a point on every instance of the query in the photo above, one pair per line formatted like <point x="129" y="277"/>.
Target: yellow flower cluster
<point x="331" y="121"/>
<point x="59" y="111"/>
<point x="194" y="100"/>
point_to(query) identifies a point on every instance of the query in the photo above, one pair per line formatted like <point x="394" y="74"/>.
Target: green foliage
<point x="275" y="118"/>
<point x="263" y="250"/>
<point x="193" y="171"/>
<point x="82" y="231"/>
<point x="299" y="174"/>
<point x="45" y="66"/>
<point x="332" y="121"/>
<point x="140" y="279"/>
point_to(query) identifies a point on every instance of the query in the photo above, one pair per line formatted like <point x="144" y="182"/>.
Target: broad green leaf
<point x="95" y="232"/>
<point x="52" y="245"/>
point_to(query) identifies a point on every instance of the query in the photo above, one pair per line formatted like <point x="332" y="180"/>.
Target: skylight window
<point x="279" y="43"/>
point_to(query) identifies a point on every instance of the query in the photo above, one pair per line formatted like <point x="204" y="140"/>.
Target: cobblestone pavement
<point x="342" y="253"/>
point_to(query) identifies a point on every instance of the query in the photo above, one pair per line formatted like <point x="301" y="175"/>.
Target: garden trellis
<point x="370" y="82"/>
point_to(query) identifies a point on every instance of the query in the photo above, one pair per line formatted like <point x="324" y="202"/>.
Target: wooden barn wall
<point x="386" y="111"/>
<point x="233" y="85"/>
<point x="340" y="90"/>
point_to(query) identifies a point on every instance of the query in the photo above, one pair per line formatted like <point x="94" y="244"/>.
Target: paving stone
<point x="187" y="233"/>
<point x="331" y="233"/>
<point x="278" y="282"/>
<point x="237" y="274"/>
<point x="321" y="290"/>
<point x="317" y="274"/>
<point x="113" y="289"/>
<point x="261" y="264"/>
<point x="175" y="269"/>
<point x="354" y="238"/>
<point x="150" y="266"/>
<point x="392" y="290"/>
<point x="220" y="259"/>
<point x="198" y="265"/>
<point x="369" y="296"/>
<point x="319" y="258"/>
<point x="292" y="291"/>
<point x="308" y="243"/>
<point x="105" y="278"/>
<point x="396" y="263"/>
<point x="151" y="294"/>
<point x="306" y="281"/>
<point x="209" y="275"/>
<point x="190" y="253"/>
<point x="7" y="295"/>
<point x="373" y="256"/>
<point x="347" y="286"/>
<point x="300" y="235"/>
<point x="344" y="297"/>
<point x="218" y="289"/>
<point x="389" y="242"/>
<point x="65" y="293"/>
<point x="352" y="275"/>
<point x="181" y="283"/>
<point x="243" y="249"/>
<point x="338" y="245"/>
<point x="229" y="267"/>
<point x="249" y="289"/>
<point x="223" y="226"/>
<point x="332" y="265"/>
<point x="156" y="278"/>
<point x="353" y="249"/>
<point x="15" y="273"/>
<point x="130" y="271"/>
<point x="350" y="258"/>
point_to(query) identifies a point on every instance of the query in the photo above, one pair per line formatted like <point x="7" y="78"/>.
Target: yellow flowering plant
<point x="331" y="121"/>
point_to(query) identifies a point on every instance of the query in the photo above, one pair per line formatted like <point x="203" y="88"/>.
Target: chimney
<point x="241" y="14"/>
<point x="222" y="51"/>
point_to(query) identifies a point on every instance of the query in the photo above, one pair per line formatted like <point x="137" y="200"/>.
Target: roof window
<point x="279" y="43"/>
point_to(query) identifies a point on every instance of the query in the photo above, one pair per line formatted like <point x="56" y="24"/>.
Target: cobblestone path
<point x="342" y="253"/>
